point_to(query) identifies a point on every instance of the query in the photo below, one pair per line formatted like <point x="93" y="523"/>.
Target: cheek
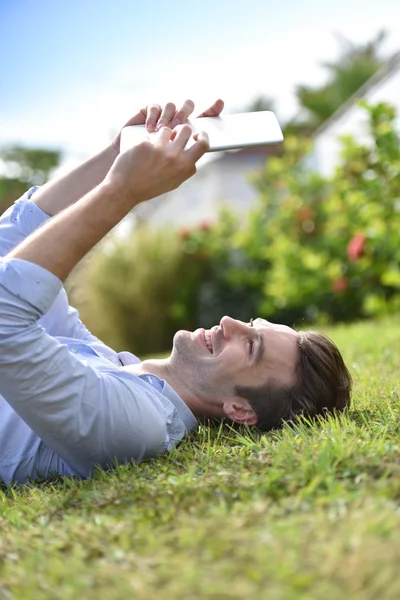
<point x="236" y="370"/>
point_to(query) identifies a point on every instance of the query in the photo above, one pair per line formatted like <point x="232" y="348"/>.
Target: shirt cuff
<point x="30" y="283"/>
<point x="26" y="214"/>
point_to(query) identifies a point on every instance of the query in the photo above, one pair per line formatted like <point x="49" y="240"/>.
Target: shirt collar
<point x="184" y="412"/>
<point x="182" y="408"/>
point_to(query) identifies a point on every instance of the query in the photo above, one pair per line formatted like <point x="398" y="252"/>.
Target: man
<point x="68" y="402"/>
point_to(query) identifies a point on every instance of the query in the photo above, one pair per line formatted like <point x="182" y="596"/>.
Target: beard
<point x="191" y="364"/>
<point x="184" y="351"/>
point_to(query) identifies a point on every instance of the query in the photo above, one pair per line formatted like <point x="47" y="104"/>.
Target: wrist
<point x="112" y="149"/>
<point x="119" y="193"/>
<point x="115" y="144"/>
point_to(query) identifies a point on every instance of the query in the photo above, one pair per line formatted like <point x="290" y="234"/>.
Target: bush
<point x="134" y="294"/>
<point x="334" y="245"/>
<point x="317" y="249"/>
<point x="232" y="278"/>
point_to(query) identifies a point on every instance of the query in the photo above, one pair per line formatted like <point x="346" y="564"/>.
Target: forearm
<point x="64" y="240"/>
<point x="145" y="171"/>
<point x="56" y="195"/>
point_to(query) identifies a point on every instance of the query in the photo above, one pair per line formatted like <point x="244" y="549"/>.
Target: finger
<point x="166" y="116"/>
<point x="163" y="136"/>
<point x="201" y="145"/>
<point x="182" y="136"/>
<point x="153" y="112"/>
<point x="215" y="109"/>
<point x="138" y="119"/>
<point x="183" y="113"/>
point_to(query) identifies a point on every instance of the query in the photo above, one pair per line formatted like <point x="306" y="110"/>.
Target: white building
<point x="351" y="119"/>
<point x="222" y="179"/>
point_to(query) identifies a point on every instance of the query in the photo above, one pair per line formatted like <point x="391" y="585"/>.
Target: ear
<point x="239" y="410"/>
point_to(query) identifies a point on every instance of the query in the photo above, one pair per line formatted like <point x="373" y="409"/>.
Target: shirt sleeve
<point x="19" y="221"/>
<point x="16" y="224"/>
<point x="87" y="416"/>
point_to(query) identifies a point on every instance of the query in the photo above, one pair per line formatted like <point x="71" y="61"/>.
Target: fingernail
<point x="150" y="126"/>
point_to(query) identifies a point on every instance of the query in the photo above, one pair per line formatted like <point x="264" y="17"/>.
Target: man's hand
<point x="150" y="169"/>
<point x="155" y="117"/>
<point x="60" y="193"/>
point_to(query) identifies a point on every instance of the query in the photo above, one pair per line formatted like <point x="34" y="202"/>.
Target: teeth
<point x="207" y="336"/>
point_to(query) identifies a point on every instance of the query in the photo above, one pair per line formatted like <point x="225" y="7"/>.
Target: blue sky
<point x="73" y="71"/>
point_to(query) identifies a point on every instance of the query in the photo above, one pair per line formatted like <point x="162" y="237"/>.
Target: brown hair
<point x="323" y="385"/>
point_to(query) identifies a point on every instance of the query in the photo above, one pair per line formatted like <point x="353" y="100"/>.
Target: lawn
<point x="310" y="513"/>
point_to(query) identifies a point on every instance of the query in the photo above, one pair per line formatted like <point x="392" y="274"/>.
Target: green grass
<point x="307" y="513"/>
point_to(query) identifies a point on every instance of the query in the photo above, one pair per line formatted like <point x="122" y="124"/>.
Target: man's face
<point x="235" y="353"/>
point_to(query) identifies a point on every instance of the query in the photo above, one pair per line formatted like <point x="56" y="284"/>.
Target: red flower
<point x="340" y="285"/>
<point x="355" y="247"/>
<point x="184" y="233"/>
<point x="305" y="214"/>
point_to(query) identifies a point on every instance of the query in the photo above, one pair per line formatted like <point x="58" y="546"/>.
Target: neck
<point x="162" y="368"/>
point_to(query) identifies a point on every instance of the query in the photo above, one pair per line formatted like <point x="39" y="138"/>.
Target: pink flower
<point x="340" y="285"/>
<point x="184" y="233"/>
<point x="205" y="226"/>
<point x="355" y="247"/>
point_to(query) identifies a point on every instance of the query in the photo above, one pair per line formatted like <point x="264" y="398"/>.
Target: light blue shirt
<point x="66" y="404"/>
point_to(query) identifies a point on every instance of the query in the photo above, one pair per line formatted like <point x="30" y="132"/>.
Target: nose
<point x="231" y="327"/>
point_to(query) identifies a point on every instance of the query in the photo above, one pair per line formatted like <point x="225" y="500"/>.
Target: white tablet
<point x="227" y="132"/>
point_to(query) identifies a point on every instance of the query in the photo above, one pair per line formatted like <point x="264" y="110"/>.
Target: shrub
<point x="135" y="293"/>
<point x="232" y="278"/>
<point x="335" y="250"/>
<point x="313" y="249"/>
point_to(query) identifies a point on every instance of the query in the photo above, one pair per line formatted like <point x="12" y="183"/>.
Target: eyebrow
<point x="260" y="348"/>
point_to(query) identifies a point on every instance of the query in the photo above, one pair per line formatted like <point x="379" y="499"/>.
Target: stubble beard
<point x="186" y="358"/>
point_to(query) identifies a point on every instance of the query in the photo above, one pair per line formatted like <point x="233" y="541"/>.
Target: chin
<point x="179" y="339"/>
<point x="181" y="333"/>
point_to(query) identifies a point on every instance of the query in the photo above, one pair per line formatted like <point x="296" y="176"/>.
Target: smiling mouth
<point x="207" y="337"/>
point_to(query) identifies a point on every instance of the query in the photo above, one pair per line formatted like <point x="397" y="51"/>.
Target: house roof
<point x="384" y="73"/>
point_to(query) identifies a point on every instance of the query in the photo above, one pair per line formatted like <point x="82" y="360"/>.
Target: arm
<point x="18" y="221"/>
<point x="84" y="414"/>
<point x="26" y="216"/>
<point x="143" y="172"/>
<point x="16" y="224"/>
<point x="57" y="195"/>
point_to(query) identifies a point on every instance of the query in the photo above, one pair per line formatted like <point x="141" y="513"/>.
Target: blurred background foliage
<point x="345" y="76"/>
<point x="23" y="168"/>
<point x="312" y="250"/>
<point x="134" y="293"/>
<point x="354" y="66"/>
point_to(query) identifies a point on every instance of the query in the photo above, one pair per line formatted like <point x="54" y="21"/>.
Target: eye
<point x="251" y="343"/>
